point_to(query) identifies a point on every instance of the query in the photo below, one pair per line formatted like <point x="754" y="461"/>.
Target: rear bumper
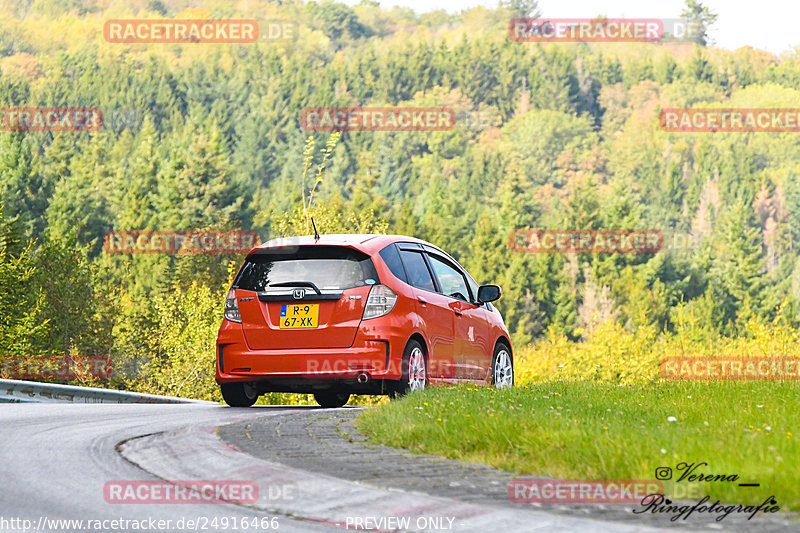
<point x="376" y="350"/>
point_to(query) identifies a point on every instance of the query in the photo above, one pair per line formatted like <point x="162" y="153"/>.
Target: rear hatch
<point x="299" y="297"/>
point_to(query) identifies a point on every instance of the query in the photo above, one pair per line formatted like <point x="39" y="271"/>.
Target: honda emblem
<point x="299" y="294"/>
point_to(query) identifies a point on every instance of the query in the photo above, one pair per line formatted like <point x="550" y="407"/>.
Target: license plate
<point x="299" y="316"/>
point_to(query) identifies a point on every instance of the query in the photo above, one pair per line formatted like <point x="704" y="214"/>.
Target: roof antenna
<point x="316" y="233"/>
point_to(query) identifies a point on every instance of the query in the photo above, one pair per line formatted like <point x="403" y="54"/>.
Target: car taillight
<point x="232" y="307"/>
<point x="380" y="301"/>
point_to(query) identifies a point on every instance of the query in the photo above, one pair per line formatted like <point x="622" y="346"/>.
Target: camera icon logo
<point x="663" y="473"/>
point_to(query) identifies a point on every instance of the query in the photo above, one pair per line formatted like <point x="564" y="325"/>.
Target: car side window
<point x="451" y="280"/>
<point x="418" y="274"/>
<point x="473" y="287"/>
<point x="392" y="260"/>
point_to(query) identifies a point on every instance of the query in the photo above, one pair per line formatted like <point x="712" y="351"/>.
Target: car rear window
<point x="327" y="267"/>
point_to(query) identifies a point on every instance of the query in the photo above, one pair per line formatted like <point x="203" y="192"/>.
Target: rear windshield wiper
<point x="308" y="284"/>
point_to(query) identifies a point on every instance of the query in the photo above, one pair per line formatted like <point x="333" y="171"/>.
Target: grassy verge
<point x="595" y="431"/>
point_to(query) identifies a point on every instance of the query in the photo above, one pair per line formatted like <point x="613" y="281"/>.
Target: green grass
<point x="592" y="431"/>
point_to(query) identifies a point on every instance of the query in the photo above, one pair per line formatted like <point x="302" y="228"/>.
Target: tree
<point x="196" y="188"/>
<point x="737" y="269"/>
<point x="700" y="20"/>
<point x="76" y="303"/>
<point x="21" y="327"/>
<point x="339" y="21"/>
<point x="23" y="192"/>
<point x="79" y="205"/>
<point x="521" y="9"/>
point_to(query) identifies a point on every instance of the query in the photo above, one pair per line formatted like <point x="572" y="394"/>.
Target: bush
<point x="613" y="355"/>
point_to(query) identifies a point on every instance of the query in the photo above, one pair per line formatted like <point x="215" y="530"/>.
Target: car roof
<point x="369" y="243"/>
<point x="366" y="242"/>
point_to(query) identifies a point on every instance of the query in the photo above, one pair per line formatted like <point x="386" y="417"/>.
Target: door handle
<point x="422" y="301"/>
<point x="458" y="312"/>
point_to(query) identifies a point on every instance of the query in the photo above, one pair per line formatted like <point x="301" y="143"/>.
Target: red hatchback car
<point x="357" y="314"/>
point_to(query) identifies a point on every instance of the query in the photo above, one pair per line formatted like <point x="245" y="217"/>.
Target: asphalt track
<point x="56" y="460"/>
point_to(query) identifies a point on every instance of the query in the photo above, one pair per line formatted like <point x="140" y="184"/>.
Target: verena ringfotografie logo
<point x="730" y="120"/>
<point x="180" y="492"/>
<point x="180" y="31"/>
<point x="730" y="368"/>
<point x="50" y="119"/>
<point x="586" y="241"/>
<point x="575" y="491"/>
<point x="56" y="367"/>
<point x="179" y="242"/>
<point x="377" y="119"/>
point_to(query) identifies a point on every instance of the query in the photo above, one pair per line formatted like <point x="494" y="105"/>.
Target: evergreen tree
<point x="700" y="19"/>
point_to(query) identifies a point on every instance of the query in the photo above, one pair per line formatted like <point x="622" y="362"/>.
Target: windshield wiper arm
<point x="308" y="284"/>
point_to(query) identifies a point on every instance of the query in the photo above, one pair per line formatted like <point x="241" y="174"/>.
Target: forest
<point x="563" y="136"/>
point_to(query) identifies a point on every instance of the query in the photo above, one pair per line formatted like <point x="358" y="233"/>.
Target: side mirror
<point x="488" y="293"/>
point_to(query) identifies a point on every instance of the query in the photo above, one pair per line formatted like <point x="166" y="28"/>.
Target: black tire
<point x="404" y="386"/>
<point x="498" y="359"/>
<point x="239" y="394"/>
<point x="330" y="399"/>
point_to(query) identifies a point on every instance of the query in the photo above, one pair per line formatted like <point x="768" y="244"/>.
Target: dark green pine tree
<point x="21" y="328"/>
<point x="564" y="319"/>
<point x="140" y="273"/>
<point x="79" y="207"/>
<point x="136" y="210"/>
<point x="791" y="189"/>
<point x="23" y="191"/>
<point x="196" y="188"/>
<point x="737" y="269"/>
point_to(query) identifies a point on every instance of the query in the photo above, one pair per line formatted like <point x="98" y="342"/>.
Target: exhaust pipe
<point x="362" y="377"/>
